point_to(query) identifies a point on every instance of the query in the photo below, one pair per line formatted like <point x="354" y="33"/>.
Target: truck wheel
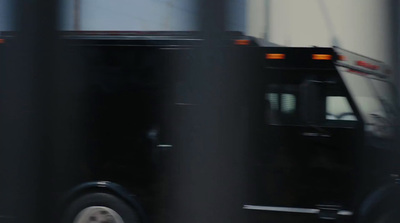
<point x="100" y="208"/>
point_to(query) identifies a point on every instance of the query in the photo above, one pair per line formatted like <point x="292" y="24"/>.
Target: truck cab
<point x="321" y="118"/>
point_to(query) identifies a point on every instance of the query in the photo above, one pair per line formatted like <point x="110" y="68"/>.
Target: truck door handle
<point x="164" y="146"/>
<point x="315" y="134"/>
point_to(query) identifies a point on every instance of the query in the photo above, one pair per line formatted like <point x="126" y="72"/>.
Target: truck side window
<point x="288" y="103"/>
<point x="280" y="108"/>
<point x="273" y="100"/>
<point x="338" y="108"/>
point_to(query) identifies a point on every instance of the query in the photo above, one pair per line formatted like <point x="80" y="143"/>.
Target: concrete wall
<point x="131" y="15"/>
<point x="144" y="15"/>
<point x="257" y="18"/>
<point x="362" y="26"/>
<point x="5" y="15"/>
<point x="236" y="15"/>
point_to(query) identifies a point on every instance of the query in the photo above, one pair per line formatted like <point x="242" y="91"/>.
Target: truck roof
<point x="146" y="37"/>
<point x="276" y="56"/>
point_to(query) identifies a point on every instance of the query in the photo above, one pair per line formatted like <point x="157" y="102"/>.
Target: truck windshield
<point x="376" y="100"/>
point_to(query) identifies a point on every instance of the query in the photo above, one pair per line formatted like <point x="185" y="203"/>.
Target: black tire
<point x="102" y="200"/>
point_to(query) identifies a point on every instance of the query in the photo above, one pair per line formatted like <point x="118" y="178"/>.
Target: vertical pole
<point x="207" y="160"/>
<point x="267" y="21"/>
<point x="395" y="19"/>
<point x="26" y="91"/>
<point x="77" y="15"/>
<point x="395" y="45"/>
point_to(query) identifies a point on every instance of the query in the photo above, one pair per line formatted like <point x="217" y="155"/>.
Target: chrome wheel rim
<point x="98" y="214"/>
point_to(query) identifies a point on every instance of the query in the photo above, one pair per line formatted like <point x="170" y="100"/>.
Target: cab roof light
<point x="275" y="56"/>
<point x="322" y="57"/>
<point x="242" y="42"/>
<point x="2" y="41"/>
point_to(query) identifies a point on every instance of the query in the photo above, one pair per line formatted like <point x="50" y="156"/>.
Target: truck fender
<point x="375" y="198"/>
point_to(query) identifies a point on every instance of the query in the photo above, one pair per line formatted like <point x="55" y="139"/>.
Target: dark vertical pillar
<point x="394" y="39"/>
<point x="395" y="12"/>
<point x="211" y="133"/>
<point x="26" y="96"/>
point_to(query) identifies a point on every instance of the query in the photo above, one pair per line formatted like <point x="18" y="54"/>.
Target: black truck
<point x="320" y="137"/>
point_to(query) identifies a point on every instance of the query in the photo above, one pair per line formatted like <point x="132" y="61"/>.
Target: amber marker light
<point x="242" y="42"/>
<point x="322" y="57"/>
<point x="275" y="56"/>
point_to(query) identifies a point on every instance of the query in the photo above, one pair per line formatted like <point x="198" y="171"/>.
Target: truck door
<point x="305" y="139"/>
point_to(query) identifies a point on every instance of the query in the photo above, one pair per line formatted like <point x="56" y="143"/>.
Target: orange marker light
<point x="342" y="58"/>
<point x="322" y="57"/>
<point x="2" y="41"/>
<point x="242" y="42"/>
<point x="275" y="56"/>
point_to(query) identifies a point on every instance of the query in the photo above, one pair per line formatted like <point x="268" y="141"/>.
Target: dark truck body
<point x="314" y="157"/>
<point x="125" y="90"/>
